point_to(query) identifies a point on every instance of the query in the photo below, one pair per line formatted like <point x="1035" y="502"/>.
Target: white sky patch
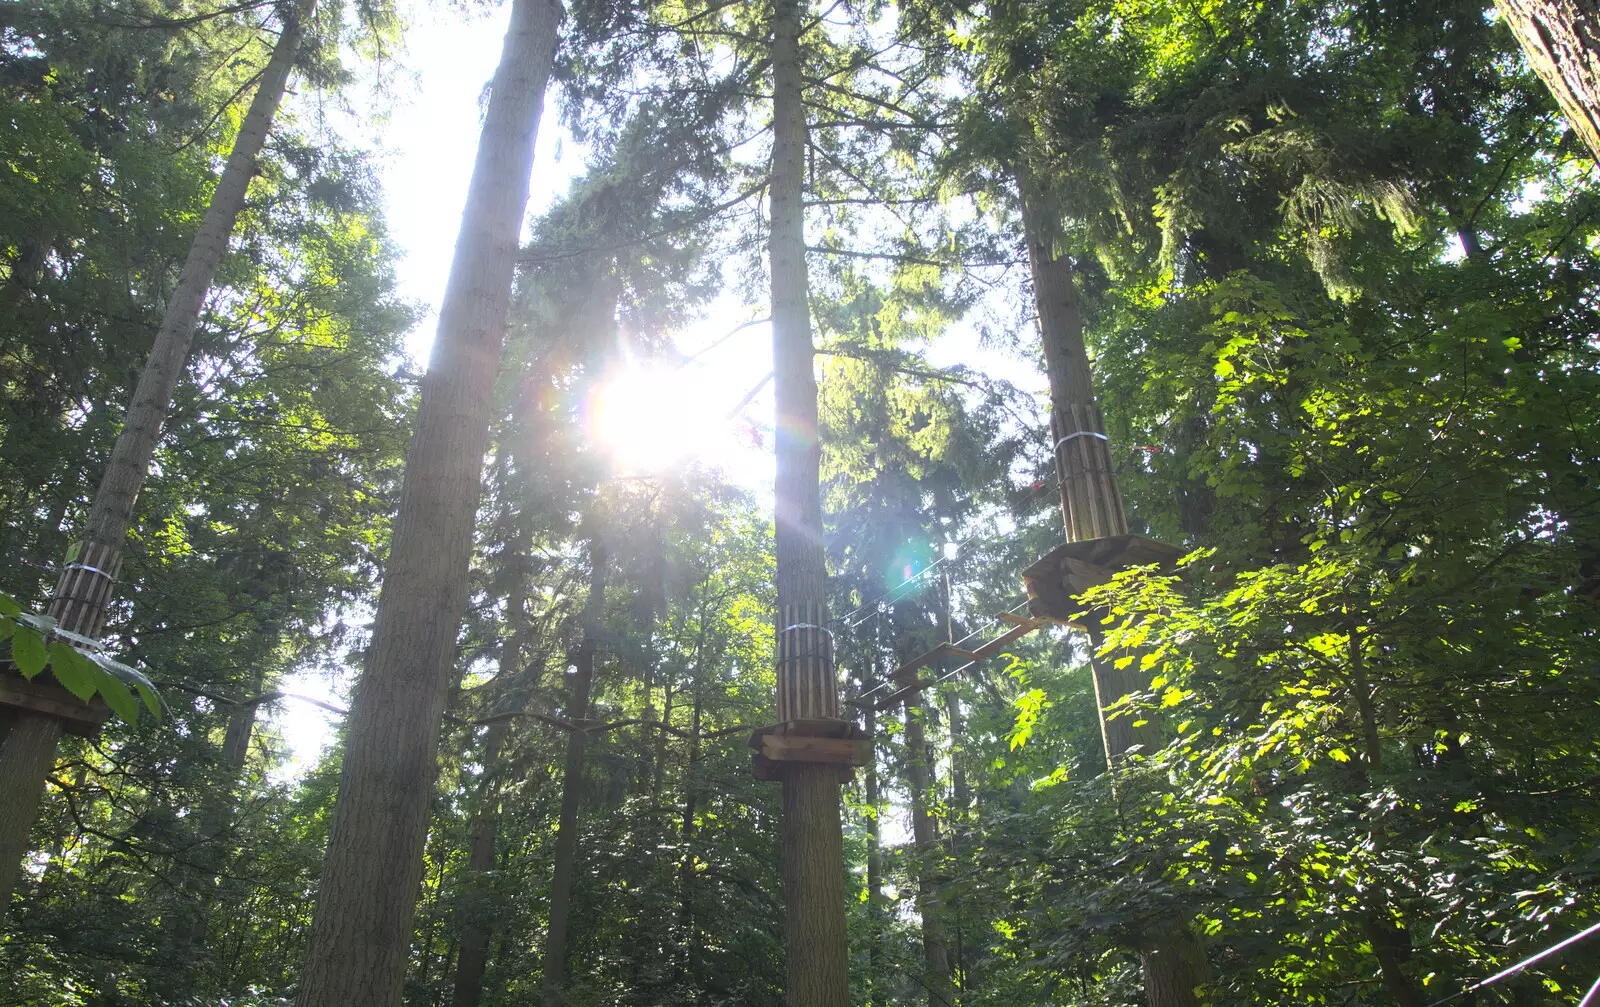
<point x="305" y="728"/>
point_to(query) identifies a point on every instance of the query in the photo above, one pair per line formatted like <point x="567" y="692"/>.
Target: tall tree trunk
<point x="566" y="859"/>
<point x="686" y="871"/>
<point x="874" y="797"/>
<point x="1091" y="500"/>
<point x="1091" y="505"/>
<point x="813" y="843"/>
<point x="26" y="757"/>
<point x="1562" y="42"/>
<point x="361" y="931"/>
<point x="935" y="939"/>
<point x="90" y="569"/>
<point x="216" y="816"/>
<point x="473" y="957"/>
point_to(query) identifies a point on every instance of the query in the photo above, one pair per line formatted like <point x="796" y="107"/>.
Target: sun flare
<point x="650" y="418"/>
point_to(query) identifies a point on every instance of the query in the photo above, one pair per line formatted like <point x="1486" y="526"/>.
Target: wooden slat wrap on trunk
<point x="806" y="689"/>
<point x="84" y="590"/>
<point x="1090" y="500"/>
<point x="78" y="606"/>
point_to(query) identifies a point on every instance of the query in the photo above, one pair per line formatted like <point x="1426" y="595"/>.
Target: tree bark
<point x="216" y="818"/>
<point x="813" y="844"/>
<point x="90" y="568"/>
<point x="360" y="933"/>
<point x="473" y="957"/>
<point x="1175" y="965"/>
<point x="1562" y="41"/>
<point x="25" y="760"/>
<point x="936" y="980"/>
<point x="875" y="996"/>
<point x="552" y="993"/>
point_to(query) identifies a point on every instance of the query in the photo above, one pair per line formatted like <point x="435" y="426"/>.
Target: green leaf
<point x="27" y="652"/>
<point x="118" y="696"/>
<point x="132" y="678"/>
<point x="76" y="673"/>
<point x="8" y="606"/>
<point x="152" y="700"/>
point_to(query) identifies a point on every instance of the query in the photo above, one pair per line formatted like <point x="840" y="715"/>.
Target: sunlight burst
<point x="649" y="418"/>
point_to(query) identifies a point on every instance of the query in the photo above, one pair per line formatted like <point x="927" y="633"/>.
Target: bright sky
<point x="424" y="148"/>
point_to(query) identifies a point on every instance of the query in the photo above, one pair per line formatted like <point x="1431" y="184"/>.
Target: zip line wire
<point x="990" y="624"/>
<point x="870" y="608"/>
<point x="1519" y="966"/>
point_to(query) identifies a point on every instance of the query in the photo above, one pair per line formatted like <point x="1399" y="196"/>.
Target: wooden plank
<point x="908" y="672"/>
<point x="50" y="698"/>
<point x="994" y="646"/>
<point x="1020" y="620"/>
<point x="802" y="748"/>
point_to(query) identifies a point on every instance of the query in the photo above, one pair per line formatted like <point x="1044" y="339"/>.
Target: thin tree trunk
<point x="90" y="568"/>
<point x="647" y="729"/>
<point x="658" y="763"/>
<point x="216" y="818"/>
<point x="686" y="870"/>
<point x="956" y="840"/>
<point x="813" y="843"/>
<point x="875" y="983"/>
<point x="1091" y="504"/>
<point x="935" y="941"/>
<point x="566" y="858"/>
<point x="1562" y="41"/>
<point x="960" y="790"/>
<point x="473" y="957"/>
<point x="361" y="930"/>
<point x="1362" y="687"/>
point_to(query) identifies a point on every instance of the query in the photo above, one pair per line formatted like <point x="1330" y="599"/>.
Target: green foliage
<point x="80" y="666"/>
<point x="1337" y="263"/>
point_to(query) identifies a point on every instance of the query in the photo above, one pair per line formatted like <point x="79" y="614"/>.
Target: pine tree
<point x="1561" y="39"/>
<point x="360" y="935"/>
<point x="90" y="569"/>
<point x="813" y="843"/>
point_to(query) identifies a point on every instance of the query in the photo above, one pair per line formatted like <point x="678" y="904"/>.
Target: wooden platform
<point x="826" y="742"/>
<point x="44" y="695"/>
<point x="1067" y="571"/>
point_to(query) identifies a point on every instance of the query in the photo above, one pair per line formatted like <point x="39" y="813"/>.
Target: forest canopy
<point x="1146" y="549"/>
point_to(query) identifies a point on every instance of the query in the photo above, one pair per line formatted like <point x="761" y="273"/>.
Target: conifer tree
<point x="90" y="569"/>
<point x="1561" y="39"/>
<point x="813" y="850"/>
<point x="359" y="940"/>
